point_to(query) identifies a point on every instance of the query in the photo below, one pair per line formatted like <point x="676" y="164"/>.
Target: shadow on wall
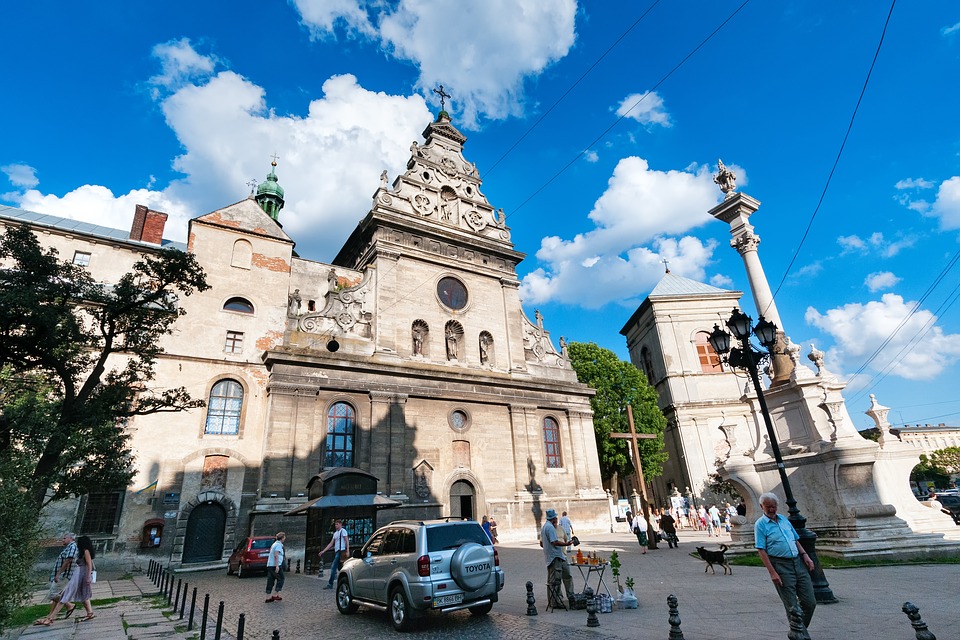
<point x="535" y="490"/>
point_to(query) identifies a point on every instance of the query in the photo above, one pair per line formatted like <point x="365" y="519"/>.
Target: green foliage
<point x="619" y="384"/>
<point x="927" y="471"/>
<point x="18" y="537"/>
<point x="946" y="461"/>
<point x="76" y="360"/>
<point x="722" y="490"/>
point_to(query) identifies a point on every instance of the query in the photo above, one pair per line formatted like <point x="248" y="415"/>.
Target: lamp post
<point x="747" y="357"/>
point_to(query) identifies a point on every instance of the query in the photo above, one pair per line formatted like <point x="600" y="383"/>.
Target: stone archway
<point x="463" y="500"/>
<point x="203" y="540"/>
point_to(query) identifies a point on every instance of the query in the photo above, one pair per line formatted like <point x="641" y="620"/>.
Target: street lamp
<point x="747" y="357"/>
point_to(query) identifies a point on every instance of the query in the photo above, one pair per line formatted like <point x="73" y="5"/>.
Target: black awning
<point x="339" y="502"/>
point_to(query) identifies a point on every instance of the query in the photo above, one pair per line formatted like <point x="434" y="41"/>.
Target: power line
<point x="843" y="144"/>
<point x="618" y="120"/>
<point x="571" y="88"/>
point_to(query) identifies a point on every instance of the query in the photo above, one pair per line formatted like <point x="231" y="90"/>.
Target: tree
<point x="946" y="461"/>
<point x="926" y="471"/>
<point x="619" y="384"/>
<point x="76" y="360"/>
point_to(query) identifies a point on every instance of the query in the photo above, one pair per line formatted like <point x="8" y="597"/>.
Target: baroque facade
<point x="408" y="356"/>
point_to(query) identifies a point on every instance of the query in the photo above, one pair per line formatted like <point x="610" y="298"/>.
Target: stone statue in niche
<point x="417" y="341"/>
<point x="563" y="347"/>
<point x="484" y="349"/>
<point x="451" y="344"/>
<point x="293" y="303"/>
<point x="383" y="179"/>
<point x="331" y="280"/>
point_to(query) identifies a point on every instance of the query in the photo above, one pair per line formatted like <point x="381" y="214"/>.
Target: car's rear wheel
<point x="241" y="573"/>
<point x="481" y="609"/>
<point x="230" y="569"/>
<point x="345" y="603"/>
<point x="399" y="610"/>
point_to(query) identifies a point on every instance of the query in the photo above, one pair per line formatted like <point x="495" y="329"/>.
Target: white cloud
<point x="590" y="156"/>
<point x="947" y="205"/>
<point x="881" y="280"/>
<point x="620" y="258"/>
<point x="330" y="158"/>
<point x="876" y="243"/>
<point x="914" y="183"/>
<point x="946" y="31"/>
<point x="180" y="64"/>
<point x="917" y="352"/>
<point x="22" y="176"/>
<point x="721" y="280"/>
<point x="482" y="52"/>
<point x="645" y="108"/>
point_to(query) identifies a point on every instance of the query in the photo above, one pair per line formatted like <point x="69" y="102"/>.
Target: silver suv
<point x="409" y="567"/>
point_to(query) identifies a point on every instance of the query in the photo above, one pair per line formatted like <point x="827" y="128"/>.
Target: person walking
<point x="558" y="569"/>
<point x="486" y="527"/>
<point x="62" y="568"/>
<point x="788" y="564"/>
<point x="640" y="530"/>
<point x="340" y="543"/>
<point x="493" y="531"/>
<point x="275" y="568"/>
<point x="80" y="586"/>
<point x="669" y="526"/>
<point x="567" y="527"/>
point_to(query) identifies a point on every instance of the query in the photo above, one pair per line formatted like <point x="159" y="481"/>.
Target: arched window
<point x="709" y="360"/>
<point x="224" y="408"/>
<point x="341" y="426"/>
<point x="242" y="254"/>
<point x="240" y="305"/>
<point x="551" y="443"/>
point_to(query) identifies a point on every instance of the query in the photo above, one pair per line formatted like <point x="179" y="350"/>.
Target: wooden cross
<point x="634" y="437"/>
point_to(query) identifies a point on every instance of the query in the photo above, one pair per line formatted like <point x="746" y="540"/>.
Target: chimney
<point x="148" y="225"/>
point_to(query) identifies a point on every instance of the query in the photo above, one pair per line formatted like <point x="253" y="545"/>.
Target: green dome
<point x="270" y="186"/>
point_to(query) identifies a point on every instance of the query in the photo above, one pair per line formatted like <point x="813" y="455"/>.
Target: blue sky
<point x="178" y="105"/>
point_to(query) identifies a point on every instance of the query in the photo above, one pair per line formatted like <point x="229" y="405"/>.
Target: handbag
<point x="93" y="576"/>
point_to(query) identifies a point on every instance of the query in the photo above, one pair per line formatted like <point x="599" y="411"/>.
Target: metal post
<point x="797" y="630"/>
<point x="531" y="600"/>
<point x="276" y="634"/>
<point x="176" y="599"/>
<point x="203" y="619"/>
<point x="219" y="621"/>
<point x="674" y="618"/>
<point x="919" y="625"/>
<point x="240" y="624"/>
<point x="183" y="602"/>
<point x="592" y="620"/>
<point x="808" y="539"/>
<point x="193" y="608"/>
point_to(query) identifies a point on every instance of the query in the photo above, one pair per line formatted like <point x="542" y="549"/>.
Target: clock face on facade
<point x="452" y="293"/>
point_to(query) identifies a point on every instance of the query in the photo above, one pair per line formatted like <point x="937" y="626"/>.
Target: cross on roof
<point x="275" y="158"/>
<point x="666" y="264"/>
<point x="443" y="94"/>
<point x="252" y="184"/>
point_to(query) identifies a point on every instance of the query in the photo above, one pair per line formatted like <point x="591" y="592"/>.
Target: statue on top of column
<point x="726" y="179"/>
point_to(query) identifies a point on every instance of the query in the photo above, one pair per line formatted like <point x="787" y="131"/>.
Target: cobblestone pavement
<point x="714" y="607"/>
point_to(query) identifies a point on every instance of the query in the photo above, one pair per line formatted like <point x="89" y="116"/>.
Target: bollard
<point x="531" y="601"/>
<point x="163" y="582"/>
<point x="193" y="608"/>
<point x="797" y="629"/>
<point x="240" y="624"/>
<point x="289" y="560"/>
<point x="183" y="602"/>
<point x="919" y="625"/>
<point x="176" y="599"/>
<point x="675" y="632"/>
<point x="320" y="569"/>
<point x="203" y="618"/>
<point x="298" y="565"/>
<point x="592" y="620"/>
<point x="150" y="570"/>
<point x="276" y="634"/>
<point x="216" y="636"/>
<point x="169" y="593"/>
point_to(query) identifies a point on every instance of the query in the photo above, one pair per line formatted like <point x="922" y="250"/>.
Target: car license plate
<point x="445" y="601"/>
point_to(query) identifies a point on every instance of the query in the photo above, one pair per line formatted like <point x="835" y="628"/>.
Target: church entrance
<point x="461" y="500"/>
<point x="204" y="539"/>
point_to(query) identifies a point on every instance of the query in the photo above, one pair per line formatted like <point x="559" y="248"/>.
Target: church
<point x="407" y="358"/>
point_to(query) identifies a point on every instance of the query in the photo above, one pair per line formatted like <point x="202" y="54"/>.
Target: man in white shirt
<point x="340" y="543"/>
<point x="275" y="567"/>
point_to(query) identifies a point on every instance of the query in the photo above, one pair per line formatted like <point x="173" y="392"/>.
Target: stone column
<point x="736" y="210"/>
<point x="388" y="440"/>
<point x="513" y="324"/>
<point x="385" y="332"/>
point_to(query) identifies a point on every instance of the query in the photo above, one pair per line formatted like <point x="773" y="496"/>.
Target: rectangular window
<point x="101" y="513"/>
<point x="551" y="442"/>
<point x="234" y="342"/>
<point x="709" y="360"/>
<point x="81" y="258"/>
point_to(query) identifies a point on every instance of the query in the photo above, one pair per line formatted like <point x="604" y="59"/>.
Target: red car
<point x="250" y="555"/>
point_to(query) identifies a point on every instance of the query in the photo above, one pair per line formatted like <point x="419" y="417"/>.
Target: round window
<point x="459" y="420"/>
<point x="452" y="293"/>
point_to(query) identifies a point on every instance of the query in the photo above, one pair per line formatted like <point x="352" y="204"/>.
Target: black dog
<point x="715" y="557"/>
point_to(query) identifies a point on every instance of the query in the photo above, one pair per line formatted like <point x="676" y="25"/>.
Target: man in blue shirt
<point x="558" y="569"/>
<point x="787" y="562"/>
